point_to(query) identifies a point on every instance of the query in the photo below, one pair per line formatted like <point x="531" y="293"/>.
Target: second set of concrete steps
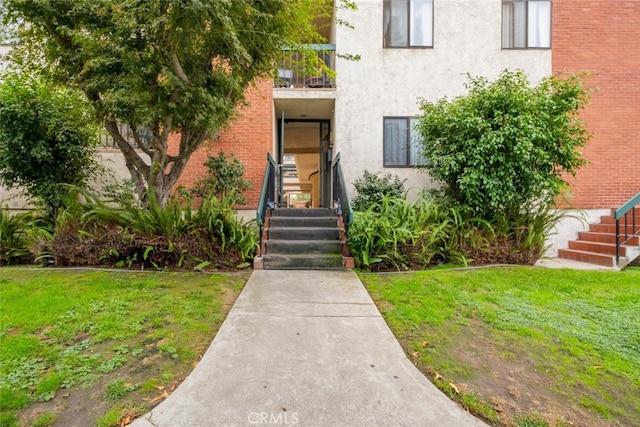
<point x="303" y="239"/>
<point x="598" y="244"/>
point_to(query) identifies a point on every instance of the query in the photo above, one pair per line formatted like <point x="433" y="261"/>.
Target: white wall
<point x="4" y="49"/>
<point x="389" y="82"/>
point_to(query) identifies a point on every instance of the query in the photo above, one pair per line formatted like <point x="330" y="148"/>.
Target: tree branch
<point x="177" y="68"/>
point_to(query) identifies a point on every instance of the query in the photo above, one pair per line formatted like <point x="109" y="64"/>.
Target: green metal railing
<point x="623" y="212"/>
<point x="340" y="195"/>
<point x="267" y="195"/>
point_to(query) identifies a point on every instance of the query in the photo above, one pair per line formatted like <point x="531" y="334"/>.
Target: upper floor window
<point x="408" y="23"/>
<point x="526" y="24"/>
<point x="401" y="143"/>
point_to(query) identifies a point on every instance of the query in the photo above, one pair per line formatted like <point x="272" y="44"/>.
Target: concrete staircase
<point x="302" y="239"/>
<point x="598" y="244"/>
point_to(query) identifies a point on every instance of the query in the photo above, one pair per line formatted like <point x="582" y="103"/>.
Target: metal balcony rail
<point x="267" y="195"/>
<point x="144" y="136"/>
<point x="295" y="69"/>
<point x="623" y="212"/>
<point x="339" y="194"/>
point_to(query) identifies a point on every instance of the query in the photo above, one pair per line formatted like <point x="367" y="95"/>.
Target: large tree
<point x="169" y="66"/>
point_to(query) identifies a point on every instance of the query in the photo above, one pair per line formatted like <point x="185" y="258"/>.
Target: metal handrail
<point x="623" y="211"/>
<point x="340" y="195"/>
<point x="267" y="195"/>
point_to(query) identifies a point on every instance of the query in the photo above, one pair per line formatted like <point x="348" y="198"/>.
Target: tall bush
<point x="224" y="177"/>
<point x="506" y="146"/>
<point x="47" y="138"/>
<point x="373" y="188"/>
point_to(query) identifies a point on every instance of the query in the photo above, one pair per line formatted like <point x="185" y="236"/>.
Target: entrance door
<point x="304" y="162"/>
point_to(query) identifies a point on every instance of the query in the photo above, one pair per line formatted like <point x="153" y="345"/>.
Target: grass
<point x="124" y="337"/>
<point x="520" y="345"/>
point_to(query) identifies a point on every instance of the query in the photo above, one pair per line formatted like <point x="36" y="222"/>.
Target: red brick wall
<point x="603" y="37"/>
<point x="249" y="137"/>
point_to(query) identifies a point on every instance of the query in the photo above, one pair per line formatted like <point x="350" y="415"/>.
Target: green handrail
<point x="267" y="194"/>
<point x="622" y="211"/>
<point x="627" y="206"/>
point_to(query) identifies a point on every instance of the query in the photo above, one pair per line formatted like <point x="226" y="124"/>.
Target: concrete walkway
<point x="305" y="348"/>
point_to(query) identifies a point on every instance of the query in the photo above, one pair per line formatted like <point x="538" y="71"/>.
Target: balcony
<point x="297" y="70"/>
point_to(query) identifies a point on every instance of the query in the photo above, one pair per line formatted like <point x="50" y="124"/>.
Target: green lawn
<point x="522" y="345"/>
<point x="119" y="340"/>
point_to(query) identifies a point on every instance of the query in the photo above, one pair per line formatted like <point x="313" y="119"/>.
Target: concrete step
<point x="294" y="212"/>
<point x="589" y="257"/>
<point x="297" y="247"/>
<point x="610" y="228"/>
<point x="304" y="221"/>
<point x="303" y="262"/>
<point x="303" y="233"/>
<point x="605" y="238"/>
<point x="596" y="247"/>
<point x="609" y="219"/>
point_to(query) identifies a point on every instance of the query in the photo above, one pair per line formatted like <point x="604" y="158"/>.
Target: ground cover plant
<point x="102" y="347"/>
<point x="125" y="234"/>
<point x="523" y="346"/>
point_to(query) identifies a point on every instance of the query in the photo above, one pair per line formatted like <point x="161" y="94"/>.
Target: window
<point x="408" y="23"/>
<point x="401" y="143"/>
<point x="526" y="24"/>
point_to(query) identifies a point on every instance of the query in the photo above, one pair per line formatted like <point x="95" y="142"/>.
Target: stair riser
<point x="305" y="213"/>
<point x="609" y="228"/>
<point x="304" y="234"/>
<point x="599" y="248"/>
<point x="611" y="220"/>
<point x="308" y="222"/>
<point x="280" y="262"/>
<point x="605" y="238"/>
<point x="591" y="258"/>
<point x="297" y="247"/>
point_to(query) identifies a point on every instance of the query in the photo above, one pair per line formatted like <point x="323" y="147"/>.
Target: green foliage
<point x="396" y="233"/>
<point x="171" y="66"/>
<point x="45" y="313"/>
<point x="574" y="331"/>
<point x="47" y="138"/>
<point x="117" y="388"/>
<point x="224" y="176"/>
<point x="124" y="233"/>
<point x="46" y="419"/>
<point x="20" y="235"/>
<point x="372" y="188"/>
<point x="505" y="147"/>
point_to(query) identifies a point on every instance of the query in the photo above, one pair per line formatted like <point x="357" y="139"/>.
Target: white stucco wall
<point x="567" y="229"/>
<point x="4" y="50"/>
<point x="389" y="82"/>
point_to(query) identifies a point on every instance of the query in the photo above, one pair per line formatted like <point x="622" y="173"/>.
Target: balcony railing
<point x="297" y="70"/>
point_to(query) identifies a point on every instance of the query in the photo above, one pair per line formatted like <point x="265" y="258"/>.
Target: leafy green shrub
<point x="395" y="233"/>
<point x="19" y="235"/>
<point x="124" y="234"/>
<point x="505" y="147"/>
<point x="224" y="176"/>
<point x="372" y="188"/>
<point x="47" y="138"/>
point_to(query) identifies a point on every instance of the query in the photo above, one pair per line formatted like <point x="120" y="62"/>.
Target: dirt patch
<point x="514" y="381"/>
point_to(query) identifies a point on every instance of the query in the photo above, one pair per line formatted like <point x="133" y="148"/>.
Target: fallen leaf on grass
<point x="454" y="387"/>
<point x="425" y="343"/>
<point x="161" y="396"/>
<point x="438" y="376"/>
<point x="415" y="354"/>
